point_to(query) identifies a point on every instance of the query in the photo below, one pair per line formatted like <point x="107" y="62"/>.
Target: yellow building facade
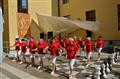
<point x="106" y="14"/>
<point x="10" y="8"/>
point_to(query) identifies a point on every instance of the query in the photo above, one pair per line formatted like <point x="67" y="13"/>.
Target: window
<point x="119" y="17"/>
<point x="90" y="16"/>
<point x="23" y="6"/>
<point x="65" y="1"/>
<point x="67" y="16"/>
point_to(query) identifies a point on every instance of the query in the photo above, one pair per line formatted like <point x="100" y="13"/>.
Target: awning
<point x="59" y="24"/>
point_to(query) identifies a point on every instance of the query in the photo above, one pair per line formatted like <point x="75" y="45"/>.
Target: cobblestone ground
<point x="13" y="70"/>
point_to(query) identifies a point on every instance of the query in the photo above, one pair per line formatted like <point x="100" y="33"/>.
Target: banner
<point x="23" y="25"/>
<point x="62" y="25"/>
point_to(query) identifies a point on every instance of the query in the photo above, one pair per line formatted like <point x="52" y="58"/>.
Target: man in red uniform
<point x="81" y="44"/>
<point x="88" y="49"/>
<point x="32" y="46"/>
<point x="99" y="45"/>
<point x="54" y="48"/>
<point x="56" y="40"/>
<point x="67" y="42"/>
<point x="23" y="50"/>
<point x="17" y="48"/>
<point x="62" y="43"/>
<point x="76" y="44"/>
<point x="41" y="47"/>
<point x="71" y="55"/>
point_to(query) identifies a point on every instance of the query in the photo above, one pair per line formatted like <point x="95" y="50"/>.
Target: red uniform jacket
<point x="76" y="43"/>
<point x="99" y="43"/>
<point x="32" y="45"/>
<point x="89" y="46"/>
<point x="67" y="42"/>
<point x="81" y="43"/>
<point x="24" y="47"/>
<point x="17" y="45"/>
<point x="71" y="52"/>
<point x="41" y="47"/>
<point x="62" y="43"/>
<point x="54" y="49"/>
<point x="57" y="42"/>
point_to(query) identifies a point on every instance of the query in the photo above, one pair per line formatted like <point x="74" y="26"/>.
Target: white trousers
<point x="71" y="63"/>
<point x="41" y="57"/>
<point x="89" y="55"/>
<point x="54" y="59"/>
<point x="99" y="50"/>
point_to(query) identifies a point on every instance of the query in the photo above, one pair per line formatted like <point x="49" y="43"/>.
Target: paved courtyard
<point x="13" y="70"/>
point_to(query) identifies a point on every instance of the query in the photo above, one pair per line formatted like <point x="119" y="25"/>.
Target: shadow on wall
<point x="35" y="30"/>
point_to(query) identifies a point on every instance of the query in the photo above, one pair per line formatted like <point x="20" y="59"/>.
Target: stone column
<point x="1" y="35"/>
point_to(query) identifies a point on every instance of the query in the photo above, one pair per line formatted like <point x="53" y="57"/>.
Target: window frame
<point x="20" y="7"/>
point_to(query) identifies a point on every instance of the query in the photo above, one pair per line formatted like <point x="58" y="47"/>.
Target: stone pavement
<point x="12" y="70"/>
<point x="80" y="70"/>
<point x="3" y="76"/>
<point x="17" y="72"/>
